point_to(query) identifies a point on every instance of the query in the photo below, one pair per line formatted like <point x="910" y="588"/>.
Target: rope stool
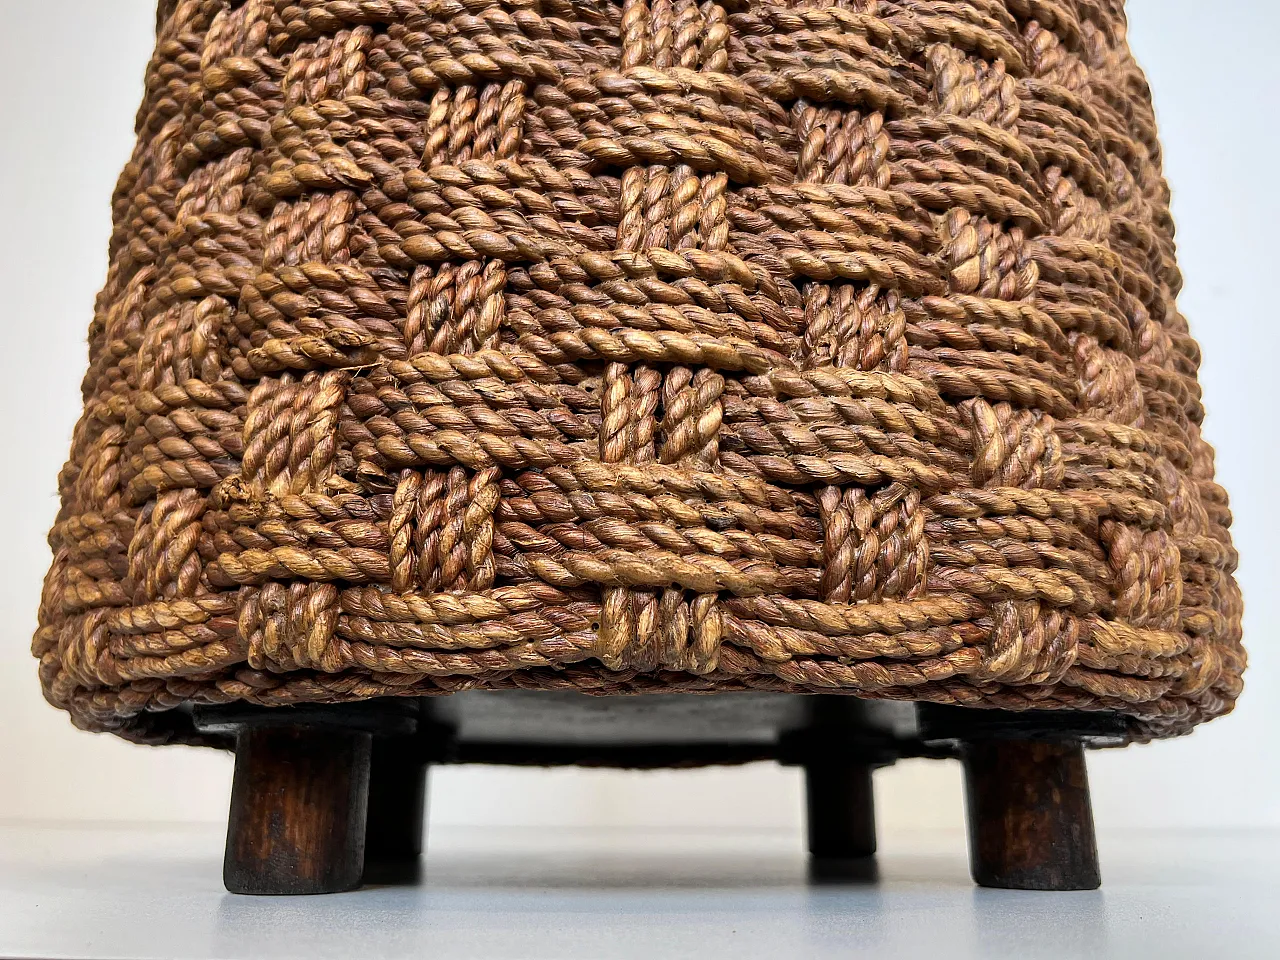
<point x="461" y="358"/>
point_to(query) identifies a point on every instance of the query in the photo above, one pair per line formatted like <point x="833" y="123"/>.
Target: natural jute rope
<point x="669" y="345"/>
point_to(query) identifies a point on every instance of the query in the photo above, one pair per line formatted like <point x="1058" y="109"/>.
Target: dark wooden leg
<point x="298" y="807"/>
<point x="397" y="814"/>
<point x="1030" y="822"/>
<point x="842" y="813"/>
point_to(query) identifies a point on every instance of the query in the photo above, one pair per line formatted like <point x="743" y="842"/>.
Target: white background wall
<point x="66" y="112"/>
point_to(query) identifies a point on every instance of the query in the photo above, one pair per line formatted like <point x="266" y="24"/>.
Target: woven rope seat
<point x="526" y="349"/>
<point x="458" y="358"/>
<point x="669" y="346"/>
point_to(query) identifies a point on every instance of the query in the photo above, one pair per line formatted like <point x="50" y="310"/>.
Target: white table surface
<point x="89" y="891"/>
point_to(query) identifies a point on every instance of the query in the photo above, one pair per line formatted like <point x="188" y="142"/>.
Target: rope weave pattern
<point x="808" y="345"/>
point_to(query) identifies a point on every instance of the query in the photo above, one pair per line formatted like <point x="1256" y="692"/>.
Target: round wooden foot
<point x="842" y="817"/>
<point x="1030" y="821"/>
<point x="298" y="807"/>
<point x="397" y="814"/>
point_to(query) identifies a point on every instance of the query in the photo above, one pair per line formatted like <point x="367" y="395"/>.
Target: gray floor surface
<point x="99" y="891"/>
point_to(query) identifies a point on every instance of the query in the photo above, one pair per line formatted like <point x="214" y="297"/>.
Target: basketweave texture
<point x="669" y="345"/>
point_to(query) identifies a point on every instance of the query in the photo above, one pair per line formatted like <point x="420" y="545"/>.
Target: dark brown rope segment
<point x="654" y="346"/>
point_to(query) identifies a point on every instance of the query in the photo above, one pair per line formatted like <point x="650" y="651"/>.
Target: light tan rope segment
<point x="654" y="346"/>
